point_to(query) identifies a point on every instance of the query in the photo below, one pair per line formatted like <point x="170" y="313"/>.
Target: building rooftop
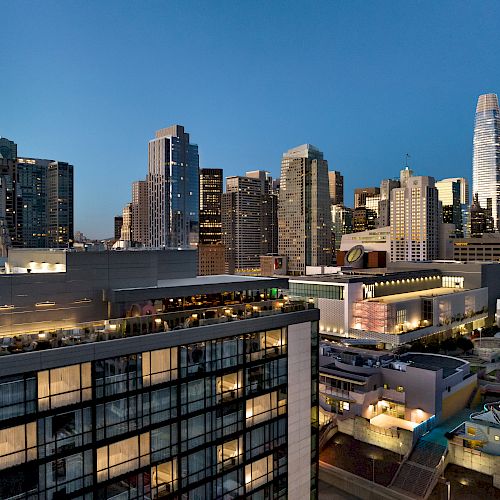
<point x="400" y="297"/>
<point x="434" y="362"/>
<point x="366" y="275"/>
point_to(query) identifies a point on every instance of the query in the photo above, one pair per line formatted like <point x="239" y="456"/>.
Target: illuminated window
<point x="64" y="386"/>
<point x="159" y="366"/>
<point x="164" y="478"/>
<point x="123" y="456"/>
<point x="229" y="454"/>
<point x="259" y="473"/>
<point x="229" y="386"/>
<point x="17" y="445"/>
<point x="497" y="438"/>
<point x="265" y="407"/>
<point x="400" y="388"/>
<point x="471" y="431"/>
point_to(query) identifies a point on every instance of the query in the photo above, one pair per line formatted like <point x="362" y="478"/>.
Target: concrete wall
<point x="475" y="460"/>
<point x="299" y="410"/>
<point x="389" y="439"/>
<point x="457" y="398"/>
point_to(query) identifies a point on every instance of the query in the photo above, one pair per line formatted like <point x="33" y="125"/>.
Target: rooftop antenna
<point x="406" y="160"/>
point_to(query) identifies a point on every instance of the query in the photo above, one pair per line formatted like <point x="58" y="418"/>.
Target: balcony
<point x="112" y="329"/>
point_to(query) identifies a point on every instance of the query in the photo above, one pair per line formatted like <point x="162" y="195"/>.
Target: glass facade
<point x="196" y="421"/>
<point x="486" y="159"/>
<point x="316" y="290"/>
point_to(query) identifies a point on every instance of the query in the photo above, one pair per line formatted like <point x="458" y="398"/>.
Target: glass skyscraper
<point x="173" y="181"/>
<point x="486" y="159"/>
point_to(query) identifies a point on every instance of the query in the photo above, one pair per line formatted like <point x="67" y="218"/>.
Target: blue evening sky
<point x="89" y="82"/>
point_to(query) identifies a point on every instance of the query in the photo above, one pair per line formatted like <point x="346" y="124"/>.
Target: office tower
<point x="173" y="185"/>
<point x="60" y="204"/>
<point x="361" y="194"/>
<point x="415" y="223"/>
<point x="336" y="181"/>
<point x="128" y="217"/>
<point x="464" y="202"/>
<point x="211" y="259"/>
<point x="486" y="157"/>
<point x="342" y="223"/>
<point x="118" y="226"/>
<point x="384" y="204"/>
<point x="211" y="188"/>
<point x="304" y="216"/>
<point x="140" y="212"/>
<point x="146" y="389"/>
<point x="449" y="194"/>
<point x="241" y="223"/>
<point x="31" y="201"/>
<point x="8" y="200"/>
<point x="363" y="219"/>
<point x="269" y="211"/>
<point x="8" y="149"/>
<point x="481" y="221"/>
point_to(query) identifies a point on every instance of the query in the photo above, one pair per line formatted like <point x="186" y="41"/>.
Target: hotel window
<point x="17" y="396"/>
<point x="64" y="386"/>
<point x="64" y="431"/>
<point x="197" y="395"/>
<point x="17" y="445"/>
<point x="164" y="442"/>
<point x="159" y="366"/>
<point x="163" y="404"/>
<point x="196" y="466"/>
<point x="164" y="478"/>
<point x="123" y="456"/>
<point x="229" y="386"/>
<point x="229" y="454"/>
<point x="263" y="408"/>
<point x="117" y="375"/>
<point x="259" y="473"/>
<point x="261" y="438"/>
<point x="227" y="419"/>
<point x="120" y="416"/>
<point x="67" y="474"/>
<point x="193" y="359"/>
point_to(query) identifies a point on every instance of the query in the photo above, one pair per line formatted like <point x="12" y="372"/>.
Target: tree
<point x="449" y="344"/>
<point x="465" y="344"/>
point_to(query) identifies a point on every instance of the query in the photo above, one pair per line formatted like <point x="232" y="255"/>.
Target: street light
<point x="480" y="329"/>
<point x="448" y="488"/>
<point x="400" y="452"/>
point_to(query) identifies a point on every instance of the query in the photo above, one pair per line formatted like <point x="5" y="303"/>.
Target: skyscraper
<point x="118" y="227"/>
<point x="211" y="188"/>
<point x="486" y="157"/>
<point x="449" y="193"/>
<point x="304" y="216"/>
<point x="336" y="180"/>
<point x="8" y="149"/>
<point x="362" y="194"/>
<point x="241" y="223"/>
<point x="342" y="222"/>
<point x="140" y="212"/>
<point x="60" y="204"/>
<point x="384" y="204"/>
<point x="173" y="182"/>
<point x="415" y="221"/>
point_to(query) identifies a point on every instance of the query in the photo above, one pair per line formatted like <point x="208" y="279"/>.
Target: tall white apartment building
<point x="415" y="214"/>
<point x="140" y="212"/>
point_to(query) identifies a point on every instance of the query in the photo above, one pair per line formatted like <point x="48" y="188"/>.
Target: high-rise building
<point x="128" y="217"/>
<point x="481" y="221"/>
<point x="363" y="219"/>
<point x="8" y="199"/>
<point x="361" y="194"/>
<point x="173" y="185"/>
<point x="118" y="226"/>
<point x="449" y="194"/>
<point x="143" y="386"/>
<point x="8" y="149"/>
<point x="211" y="187"/>
<point x="342" y="223"/>
<point x="269" y="211"/>
<point x="304" y="212"/>
<point x="415" y="224"/>
<point x="241" y="223"/>
<point x="60" y="204"/>
<point x="140" y="212"/>
<point x="336" y="181"/>
<point x="384" y="204"/>
<point x="486" y="157"/>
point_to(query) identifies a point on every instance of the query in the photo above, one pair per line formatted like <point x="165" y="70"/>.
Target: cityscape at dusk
<point x="249" y="250"/>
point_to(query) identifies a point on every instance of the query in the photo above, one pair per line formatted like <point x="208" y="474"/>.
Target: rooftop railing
<point x="112" y="329"/>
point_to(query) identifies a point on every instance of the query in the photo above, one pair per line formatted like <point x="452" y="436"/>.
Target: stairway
<point x="418" y="473"/>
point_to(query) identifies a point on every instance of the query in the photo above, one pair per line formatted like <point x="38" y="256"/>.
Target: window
<point x="471" y="431"/>
<point x="400" y="388"/>
<point x="259" y="473"/>
<point x="123" y="456"/>
<point x="497" y="438"/>
<point x="229" y="454"/>
<point x="159" y="366"/>
<point x="64" y="386"/>
<point x="164" y="478"/>
<point x="17" y="396"/>
<point x="117" y="375"/>
<point x="120" y="416"/>
<point x="164" y="442"/>
<point x="229" y="386"/>
<point x="17" y="445"/>
<point x="265" y="407"/>
<point x="163" y="404"/>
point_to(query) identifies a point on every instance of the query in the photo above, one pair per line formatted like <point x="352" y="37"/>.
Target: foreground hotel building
<point x="486" y="159"/>
<point x="126" y="376"/>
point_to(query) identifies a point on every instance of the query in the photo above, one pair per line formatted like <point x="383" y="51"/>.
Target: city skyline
<point x="402" y="64"/>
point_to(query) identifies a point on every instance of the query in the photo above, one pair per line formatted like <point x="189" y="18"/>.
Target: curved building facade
<point x="486" y="159"/>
